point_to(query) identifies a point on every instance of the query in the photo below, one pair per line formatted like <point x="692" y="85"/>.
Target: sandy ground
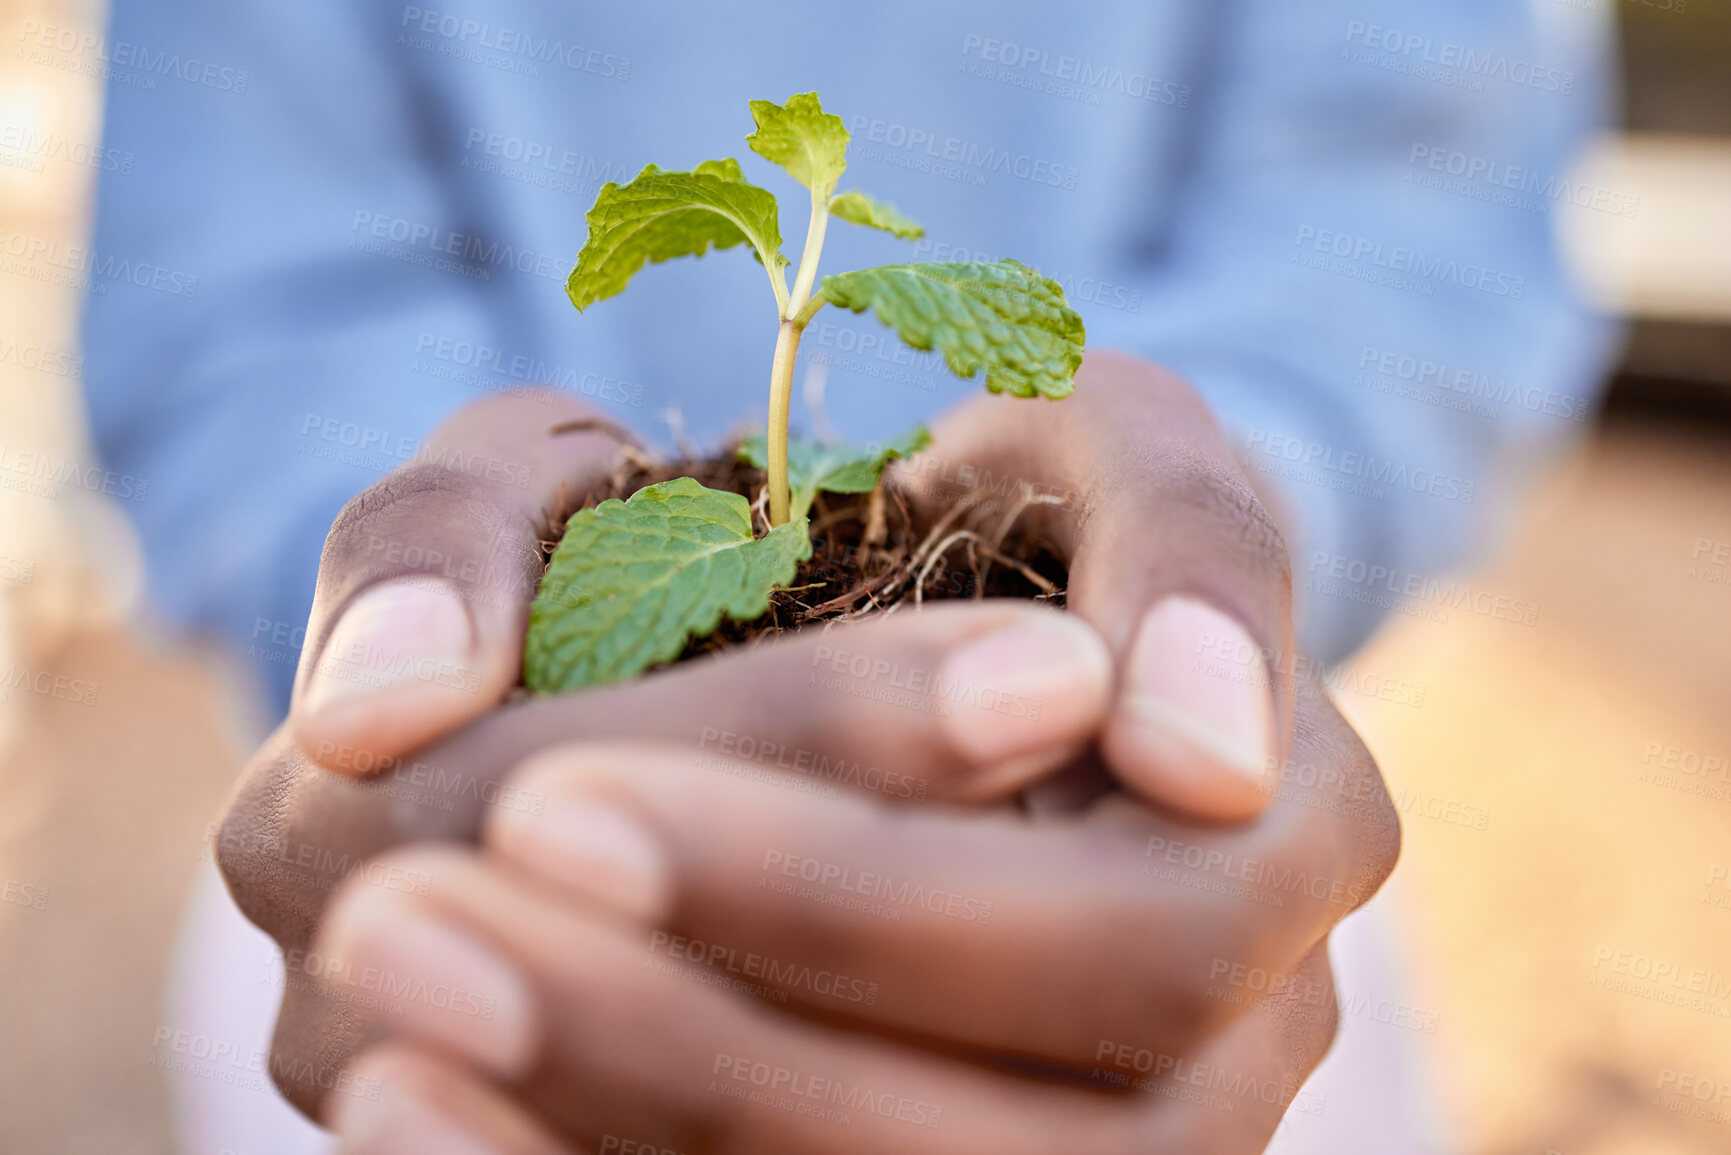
<point x="1544" y="840"/>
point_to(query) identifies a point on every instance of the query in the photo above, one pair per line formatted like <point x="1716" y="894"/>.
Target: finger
<point x="964" y="701"/>
<point x="1171" y="556"/>
<point x="794" y="709"/>
<point x="412" y="1101"/>
<point x="842" y="905"/>
<point x="626" y="1050"/>
<point x="426" y="578"/>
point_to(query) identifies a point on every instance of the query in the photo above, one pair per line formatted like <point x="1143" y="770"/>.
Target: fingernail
<point x="433" y="980"/>
<point x="1024" y="689"/>
<point x="399" y="1122"/>
<point x="591" y="846"/>
<point x="1197" y="692"/>
<point x="413" y="633"/>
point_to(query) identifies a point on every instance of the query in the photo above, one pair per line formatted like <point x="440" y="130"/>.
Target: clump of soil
<point x="871" y="552"/>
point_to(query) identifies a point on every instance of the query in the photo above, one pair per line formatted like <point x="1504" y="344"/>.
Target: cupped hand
<point x="417" y="632"/>
<point x="681" y="951"/>
<point x="1173" y="558"/>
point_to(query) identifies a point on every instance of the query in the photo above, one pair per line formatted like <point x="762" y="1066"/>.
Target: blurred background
<point x="1565" y="784"/>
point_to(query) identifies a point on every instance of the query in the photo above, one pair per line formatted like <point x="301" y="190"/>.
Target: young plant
<point x="632" y="581"/>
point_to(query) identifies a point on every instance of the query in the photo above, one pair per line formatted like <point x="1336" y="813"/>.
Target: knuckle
<point x="248" y="847"/>
<point x="1360" y="825"/>
<point x="1376" y="830"/>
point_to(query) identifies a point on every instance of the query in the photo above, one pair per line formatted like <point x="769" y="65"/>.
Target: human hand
<point x="1201" y="476"/>
<point x="677" y="955"/>
<point x="431" y="572"/>
<point x="1172" y="556"/>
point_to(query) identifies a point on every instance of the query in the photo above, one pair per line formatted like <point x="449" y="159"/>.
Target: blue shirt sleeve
<point x="271" y="388"/>
<point x="1363" y="278"/>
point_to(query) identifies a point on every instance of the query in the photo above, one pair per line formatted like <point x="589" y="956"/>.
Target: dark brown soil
<point x="872" y="553"/>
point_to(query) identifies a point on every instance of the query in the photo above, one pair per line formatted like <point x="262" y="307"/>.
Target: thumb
<point x="1173" y="559"/>
<point x="426" y="578"/>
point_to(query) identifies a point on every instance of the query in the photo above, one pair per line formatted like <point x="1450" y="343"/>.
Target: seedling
<point x="632" y="581"/>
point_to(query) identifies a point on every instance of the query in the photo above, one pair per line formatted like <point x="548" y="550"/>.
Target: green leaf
<point x="1001" y="316"/>
<point x="839" y="467"/>
<point x="632" y="580"/>
<point x="662" y="215"/>
<point x="861" y="209"/>
<point x="802" y="138"/>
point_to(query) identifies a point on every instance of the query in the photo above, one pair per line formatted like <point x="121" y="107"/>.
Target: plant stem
<point x="808" y="256"/>
<point x="796" y="311"/>
<point x="780" y="399"/>
<point x="804" y="316"/>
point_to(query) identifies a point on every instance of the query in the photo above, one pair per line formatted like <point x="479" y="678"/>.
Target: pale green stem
<point x="808" y="255"/>
<point x="780" y="399"/>
<point x="796" y="311"/>
<point x="804" y="316"/>
<point x="777" y="281"/>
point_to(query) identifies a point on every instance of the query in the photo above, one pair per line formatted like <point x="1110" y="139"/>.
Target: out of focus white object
<point x="1648" y="229"/>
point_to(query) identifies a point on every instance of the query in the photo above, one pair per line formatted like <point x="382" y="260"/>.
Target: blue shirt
<point x="1333" y="218"/>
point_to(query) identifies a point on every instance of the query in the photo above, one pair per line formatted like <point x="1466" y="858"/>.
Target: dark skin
<point x="1002" y="1024"/>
